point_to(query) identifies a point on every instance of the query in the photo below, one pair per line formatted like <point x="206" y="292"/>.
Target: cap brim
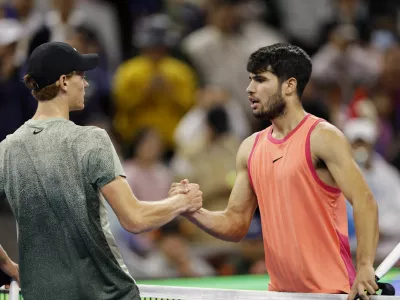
<point x="89" y="62"/>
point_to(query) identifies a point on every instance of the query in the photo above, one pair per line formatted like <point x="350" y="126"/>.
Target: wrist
<point x="192" y="215"/>
<point x="183" y="202"/>
<point x="364" y="264"/>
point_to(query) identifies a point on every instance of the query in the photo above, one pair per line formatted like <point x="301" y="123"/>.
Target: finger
<point x="181" y="190"/>
<point x="370" y="289"/>
<point x="194" y="186"/>
<point x="185" y="181"/>
<point x="374" y="285"/>
<point x="352" y="294"/>
<point x="361" y="292"/>
<point x="172" y="192"/>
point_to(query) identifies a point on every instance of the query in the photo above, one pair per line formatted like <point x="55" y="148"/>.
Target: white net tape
<point x="155" y="292"/>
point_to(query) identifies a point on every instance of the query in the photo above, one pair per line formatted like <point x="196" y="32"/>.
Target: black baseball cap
<point x="51" y="60"/>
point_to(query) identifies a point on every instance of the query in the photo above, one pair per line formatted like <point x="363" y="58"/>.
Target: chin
<point x="258" y="114"/>
<point x="77" y="108"/>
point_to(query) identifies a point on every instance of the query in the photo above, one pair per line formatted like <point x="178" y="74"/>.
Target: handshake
<point x="190" y="193"/>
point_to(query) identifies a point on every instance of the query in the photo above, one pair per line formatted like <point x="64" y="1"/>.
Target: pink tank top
<point x="304" y="220"/>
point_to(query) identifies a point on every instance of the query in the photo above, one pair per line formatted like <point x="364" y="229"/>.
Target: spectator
<point x="344" y="62"/>
<point x="302" y="28"/>
<point x="217" y="156"/>
<point x="221" y="48"/>
<point x="191" y="131"/>
<point x="29" y="17"/>
<point x="98" y="104"/>
<point x="58" y="24"/>
<point x="153" y="89"/>
<point x="382" y="178"/>
<point x="16" y="103"/>
<point x="148" y="177"/>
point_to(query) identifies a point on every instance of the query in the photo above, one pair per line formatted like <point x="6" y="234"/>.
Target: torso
<point x="303" y="213"/>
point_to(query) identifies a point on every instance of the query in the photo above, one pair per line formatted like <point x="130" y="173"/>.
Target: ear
<point x="63" y="82"/>
<point x="289" y="86"/>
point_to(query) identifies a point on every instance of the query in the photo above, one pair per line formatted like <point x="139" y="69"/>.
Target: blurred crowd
<point x="170" y="91"/>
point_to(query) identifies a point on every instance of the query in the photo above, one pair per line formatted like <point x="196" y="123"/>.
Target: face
<point x="227" y="17"/>
<point x="75" y="89"/>
<point x="64" y="7"/>
<point x="362" y="152"/>
<point x="265" y="96"/>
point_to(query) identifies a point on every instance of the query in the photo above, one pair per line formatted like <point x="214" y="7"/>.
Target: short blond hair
<point x="44" y="94"/>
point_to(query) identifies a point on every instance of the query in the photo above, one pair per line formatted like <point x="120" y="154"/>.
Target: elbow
<point x="132" y="225"/>
<point x="237" y="238"/>
<point x="239" y="232"/>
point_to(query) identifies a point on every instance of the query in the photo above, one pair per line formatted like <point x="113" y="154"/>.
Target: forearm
<point x="154" y="214"/>
<point x="367" y="230"/>
<point x="3" y="257"/>
<point x="219" y="224"/>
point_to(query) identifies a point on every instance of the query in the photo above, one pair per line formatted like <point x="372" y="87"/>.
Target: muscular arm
<point x="233" y="223"/>
<point x="331" y="146"/>
<point x="3" y="256"/>
<point x="102" y="167"/>
<point x="139" y="216"/>
<point x="8" y="266"/>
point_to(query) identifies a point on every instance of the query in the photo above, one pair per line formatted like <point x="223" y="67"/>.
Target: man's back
<point x="51" y="173"/>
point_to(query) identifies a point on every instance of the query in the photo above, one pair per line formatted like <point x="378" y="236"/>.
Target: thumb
<point x="185" y="181"/>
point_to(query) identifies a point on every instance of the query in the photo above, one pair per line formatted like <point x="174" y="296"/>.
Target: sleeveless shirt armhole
<point x="249" y="159"/>
<point x="310" y="164"/>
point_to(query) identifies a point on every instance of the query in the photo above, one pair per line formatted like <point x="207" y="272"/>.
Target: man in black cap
<point x="56" y="176"/>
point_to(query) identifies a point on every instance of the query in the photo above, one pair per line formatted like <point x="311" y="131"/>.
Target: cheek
<point x="269" y="90"/>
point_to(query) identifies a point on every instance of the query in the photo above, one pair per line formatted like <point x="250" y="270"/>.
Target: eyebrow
<point x="257" y="77"/>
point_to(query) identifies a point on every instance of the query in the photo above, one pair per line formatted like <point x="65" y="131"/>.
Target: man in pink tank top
<point x="299" y="171"/>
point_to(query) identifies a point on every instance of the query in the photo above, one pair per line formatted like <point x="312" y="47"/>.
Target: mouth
<point x="254" y="102"/>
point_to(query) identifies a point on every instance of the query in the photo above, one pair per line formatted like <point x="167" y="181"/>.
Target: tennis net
<point x="156" y="292"/>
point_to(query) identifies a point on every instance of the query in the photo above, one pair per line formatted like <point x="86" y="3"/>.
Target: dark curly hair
<point x="283" y="60"/>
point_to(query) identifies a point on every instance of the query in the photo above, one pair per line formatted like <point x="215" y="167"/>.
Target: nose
<point x="250" y="88"/>
<point x="86" y="84"/>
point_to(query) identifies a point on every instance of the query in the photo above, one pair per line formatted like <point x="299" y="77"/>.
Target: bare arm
<point x="233" y="223"/>
<point x="139" y="216"/>
<point x="331" y="146"/>
<point x="3" y="256"/>
<point x="8" y="266"/>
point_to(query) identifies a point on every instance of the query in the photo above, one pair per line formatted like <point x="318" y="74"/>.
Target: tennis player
<point x="299" y="171"/>
<point x="56" y="175"/>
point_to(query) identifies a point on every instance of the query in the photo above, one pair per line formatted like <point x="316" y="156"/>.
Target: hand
<point x="179" y="188"/>
<point x="195" y="197"/>
<point x="11" y="269"/>
<point x="159" y="82"/>
<point x="364" y="281"/>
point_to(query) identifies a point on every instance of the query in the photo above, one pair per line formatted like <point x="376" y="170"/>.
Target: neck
<point x="286" y="123"/>
<point x="56" y="108"/>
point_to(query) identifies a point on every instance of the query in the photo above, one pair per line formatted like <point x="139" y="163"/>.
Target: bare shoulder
<point x="245" y="149"/>
<point x="327" y="138"/>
